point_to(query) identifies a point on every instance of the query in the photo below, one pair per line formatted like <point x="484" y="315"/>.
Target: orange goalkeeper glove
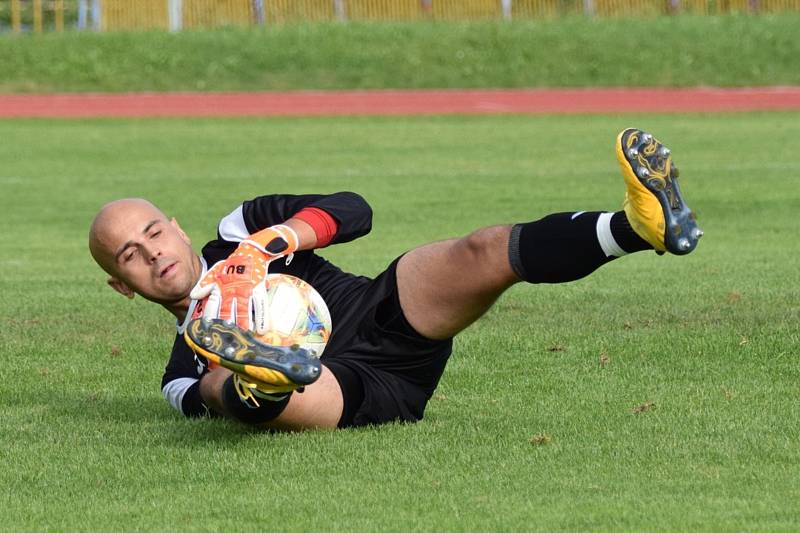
<point x="235" y="287"/>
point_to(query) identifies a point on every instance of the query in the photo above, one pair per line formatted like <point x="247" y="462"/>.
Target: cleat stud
<point x="664" y="151"/>
<point x="684" y="243"/>
<point x="633" y="153"/>
<point x="646" y="138"/>
<point x="207" y="341"/>
<point x="229" y="351"/>
<point x="206" y="322"/>
<point x="697" y="233"/>
<point x="643" y="173"/>
<point x="230" y="322"/>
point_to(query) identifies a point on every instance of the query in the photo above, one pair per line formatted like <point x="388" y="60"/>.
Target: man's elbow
<point x="362" y="207"/>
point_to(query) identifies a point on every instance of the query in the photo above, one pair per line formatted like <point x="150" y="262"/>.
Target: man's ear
<point x="121" y="288"/>
<point x="180" y="231"/>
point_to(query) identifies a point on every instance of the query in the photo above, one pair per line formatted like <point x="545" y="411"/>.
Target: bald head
<point x="104" y="234"/>
<point x="145" y="253"/>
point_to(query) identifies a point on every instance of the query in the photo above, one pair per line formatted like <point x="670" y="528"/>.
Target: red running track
<point x="391" y="102"/>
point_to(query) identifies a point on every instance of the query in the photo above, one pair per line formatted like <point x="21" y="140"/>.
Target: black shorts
<point x="387" y="371"/>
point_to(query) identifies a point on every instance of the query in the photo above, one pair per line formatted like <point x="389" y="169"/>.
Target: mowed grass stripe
<point x="660" y="393"/>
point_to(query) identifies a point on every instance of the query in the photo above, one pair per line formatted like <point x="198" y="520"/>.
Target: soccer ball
<point x="296" y="315"/>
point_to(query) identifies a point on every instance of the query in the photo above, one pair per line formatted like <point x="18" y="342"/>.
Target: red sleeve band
<point x="321" y="222"/>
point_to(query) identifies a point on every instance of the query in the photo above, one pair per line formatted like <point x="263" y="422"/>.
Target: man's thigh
<point x="397" y="368"/>
<point x="445" y="286"/>
<point x="318" y="406"/>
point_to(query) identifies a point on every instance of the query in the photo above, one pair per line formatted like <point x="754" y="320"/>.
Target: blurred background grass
<point x="680" y="51"/>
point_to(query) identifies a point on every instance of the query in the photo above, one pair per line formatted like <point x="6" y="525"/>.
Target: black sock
<point x="565" y="246"/>
<point x="248" y="412"/>
<point x="623" y="233"/>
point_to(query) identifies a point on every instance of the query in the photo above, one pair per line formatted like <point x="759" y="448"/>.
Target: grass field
<point x="574" y="52"/>
<point x="661" y="393"/>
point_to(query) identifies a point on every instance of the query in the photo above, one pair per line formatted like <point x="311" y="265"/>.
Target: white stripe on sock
<point x="605" y="237"/>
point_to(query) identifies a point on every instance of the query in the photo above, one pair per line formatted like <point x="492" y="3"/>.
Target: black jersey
<point x="180" y="384"/>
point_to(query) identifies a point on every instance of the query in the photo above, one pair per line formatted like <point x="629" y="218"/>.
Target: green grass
<point x="87" y="442"/>
<point x="733" y="50"/>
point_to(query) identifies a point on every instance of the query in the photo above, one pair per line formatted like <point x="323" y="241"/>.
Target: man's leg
<point x="445" y="286"/>
<point x="320" y="406"/>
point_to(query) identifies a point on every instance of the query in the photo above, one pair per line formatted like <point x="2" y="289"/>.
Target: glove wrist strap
<point x="265" y="236"/>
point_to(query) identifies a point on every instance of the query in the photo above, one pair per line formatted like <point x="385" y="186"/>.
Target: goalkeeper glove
<point x="235" y="287"/>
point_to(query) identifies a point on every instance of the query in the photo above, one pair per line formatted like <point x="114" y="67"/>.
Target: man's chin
<point x="170" y="298"/>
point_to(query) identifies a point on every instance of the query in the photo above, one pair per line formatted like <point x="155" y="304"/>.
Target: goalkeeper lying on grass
<point x="392" y="335"/>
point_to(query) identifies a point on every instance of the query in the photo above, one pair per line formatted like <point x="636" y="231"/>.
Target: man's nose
<point x="153" y="253"/>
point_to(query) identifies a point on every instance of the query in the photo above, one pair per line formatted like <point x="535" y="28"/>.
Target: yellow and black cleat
<point x="279" y="368"/>
<point x="653" y="202"/>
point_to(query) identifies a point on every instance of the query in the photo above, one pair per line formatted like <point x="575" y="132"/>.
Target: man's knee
<point x="486" y="246"/>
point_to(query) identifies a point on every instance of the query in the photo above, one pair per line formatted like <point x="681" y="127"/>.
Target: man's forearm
<point x="350" y="214"/>
<point x="306" y="236"/>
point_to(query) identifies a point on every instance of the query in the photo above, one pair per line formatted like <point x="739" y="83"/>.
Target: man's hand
<point x="235" y="287"/>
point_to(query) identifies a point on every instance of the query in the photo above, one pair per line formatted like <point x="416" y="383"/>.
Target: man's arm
<point x="267" y="229"/>
<point x="349" y="216"/>
<point x="235" y="287"/>
<point x="180" y="384"/>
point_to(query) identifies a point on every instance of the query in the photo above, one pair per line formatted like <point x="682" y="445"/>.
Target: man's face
<point x="149" y="254"/>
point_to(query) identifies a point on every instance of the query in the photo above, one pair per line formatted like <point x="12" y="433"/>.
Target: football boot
<point x="653" y="202"/>
<point x="269" y="369"/>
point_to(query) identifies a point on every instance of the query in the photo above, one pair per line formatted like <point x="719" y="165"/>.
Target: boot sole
<point x="651" y="163"/>
<point x="238" y="350"/>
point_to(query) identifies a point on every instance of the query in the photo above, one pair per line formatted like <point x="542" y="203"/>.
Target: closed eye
<point x="127" y="256"/>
